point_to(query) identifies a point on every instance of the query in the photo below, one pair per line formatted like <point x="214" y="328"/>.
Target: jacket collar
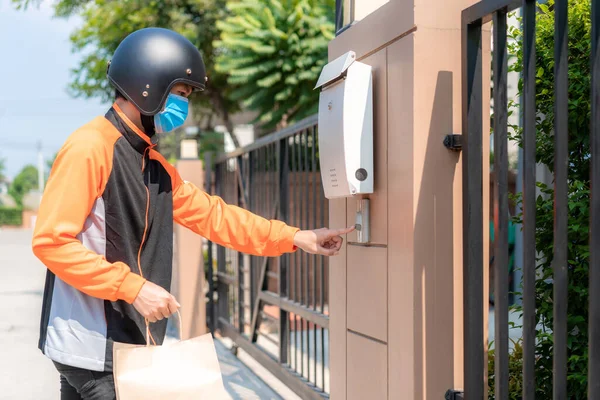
<point x="134" y="135"/>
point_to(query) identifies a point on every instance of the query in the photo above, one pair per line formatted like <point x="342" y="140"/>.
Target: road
<point x="24" y="372"/>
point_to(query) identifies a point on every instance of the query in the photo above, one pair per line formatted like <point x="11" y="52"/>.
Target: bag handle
<point x="149" y="336"/>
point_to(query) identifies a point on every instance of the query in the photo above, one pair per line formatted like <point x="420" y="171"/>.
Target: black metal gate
<point x="276" y="309"/>
<point x="474" y="352"/>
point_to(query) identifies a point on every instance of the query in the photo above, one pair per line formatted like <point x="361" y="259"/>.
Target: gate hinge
<point x="453" y="142"/>
<point x="452" y="394"/>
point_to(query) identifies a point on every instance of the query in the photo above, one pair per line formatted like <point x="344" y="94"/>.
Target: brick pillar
<point x="188" y="274"/>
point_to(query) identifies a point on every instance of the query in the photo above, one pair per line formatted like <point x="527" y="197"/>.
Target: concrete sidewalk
<point x="25" y="374"/>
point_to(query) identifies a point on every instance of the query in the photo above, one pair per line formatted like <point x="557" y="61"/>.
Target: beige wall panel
<point x="367" y="291"/>
<point x="378" y="200"/>
<point x="367" y="369"/>
<point x="364" y="8"/>
<point x="379" y="28"/>
<point x="435" y="169"/>
<point x="440" y="15"/>
<point x="401" y="273"/>
<point x="337" y="307"/>
<point x="439" y="33"/>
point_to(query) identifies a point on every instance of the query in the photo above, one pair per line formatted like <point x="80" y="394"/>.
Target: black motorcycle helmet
<point x="149" y="62"/>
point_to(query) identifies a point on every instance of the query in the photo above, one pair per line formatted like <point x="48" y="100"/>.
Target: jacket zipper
<point x="139" y="259"/>
<point x="146" y="215"/>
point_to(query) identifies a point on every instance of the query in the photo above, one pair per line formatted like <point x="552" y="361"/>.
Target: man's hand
<point x="155" y="303"/>
<point x="322" y="241"/>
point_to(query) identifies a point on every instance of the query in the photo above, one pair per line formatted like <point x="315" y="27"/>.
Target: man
<point x="105" y="224"/>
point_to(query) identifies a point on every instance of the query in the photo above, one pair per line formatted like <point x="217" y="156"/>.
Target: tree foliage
<point x="170" y="143"/>
<point x="273" y="52"/>
<point x="24" y="182"/>
<point x="2" y="169"/>
<point x="579" y="45"/>
<point x="107" y="23"/>
<point x="261" y="55"/>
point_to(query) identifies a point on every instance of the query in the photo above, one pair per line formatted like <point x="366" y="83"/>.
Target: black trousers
<point x="83" y="384"/>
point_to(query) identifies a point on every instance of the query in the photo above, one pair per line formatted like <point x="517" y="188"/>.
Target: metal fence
<point x="276" y="309"/>
<point x="474" y="351"/>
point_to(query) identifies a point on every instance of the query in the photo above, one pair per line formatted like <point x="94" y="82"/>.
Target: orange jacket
<point x="105" y="225"/>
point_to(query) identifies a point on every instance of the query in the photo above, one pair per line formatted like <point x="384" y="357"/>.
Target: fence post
<point x="189" y="277"/>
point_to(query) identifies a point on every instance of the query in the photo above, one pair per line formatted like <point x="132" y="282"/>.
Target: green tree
<point x="24" y="182"/>
<point x="170" y="144"/>
<point x="107" y="23"/>
<point x="579" y="45"/>
<point x="2" y="168"/>
<point x="273" y="52"/>
<point x="49" y="164"/>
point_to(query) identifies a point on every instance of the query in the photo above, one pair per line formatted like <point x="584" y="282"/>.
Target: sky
<point x="35" y="64"/>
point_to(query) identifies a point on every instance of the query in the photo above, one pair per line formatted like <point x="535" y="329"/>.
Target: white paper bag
<point x="184" y="370"/>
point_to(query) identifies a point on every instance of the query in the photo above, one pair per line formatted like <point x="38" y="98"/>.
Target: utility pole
<point x="40" y="167"/>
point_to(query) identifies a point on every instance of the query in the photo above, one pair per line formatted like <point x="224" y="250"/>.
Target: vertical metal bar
<point x="257" y="206"/>
<point x="233" y="255"/>
<point x="308" y="257"/>
<point x="210" y="277"/>
<point x="314" y="225"/>
<point x="252" y="189"/>
<point x="261" y="172"/>
<point x="264" y="190"/>
<point x="295" y="219"/>
<point x="222" y="288"/>
<point x="339" y="14"/>
<point x="561" y="159"/>
<point x="302" y="254"/>
<point x="226" y="263"/>
<point x="473" y="213"/>
<point x="240" y="256"/>
<point x="261" y="182"/>
<point x="273" y="168"/>
<point x="247" y="301"/>
<point x="285" y="142"/>
<point x="501" y="202"/>
<point x="594" y="305"/>
<point x="284" y="329"/>
<point x="268" y="181"/>
<point x="322" y="276"/>
<point x="529" y="189"/>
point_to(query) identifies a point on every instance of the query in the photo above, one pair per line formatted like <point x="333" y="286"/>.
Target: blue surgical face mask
<point x="173" y="116"/>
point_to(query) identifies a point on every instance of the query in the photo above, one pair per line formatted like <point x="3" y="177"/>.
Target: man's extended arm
<point x="228" y="225"/>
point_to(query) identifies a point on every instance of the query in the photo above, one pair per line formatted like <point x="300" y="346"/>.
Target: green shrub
<point x="273" y="52"/>
<point x="578" y="202"/>
<point x="11" y="216"/>
<point x="515" y="371"/>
